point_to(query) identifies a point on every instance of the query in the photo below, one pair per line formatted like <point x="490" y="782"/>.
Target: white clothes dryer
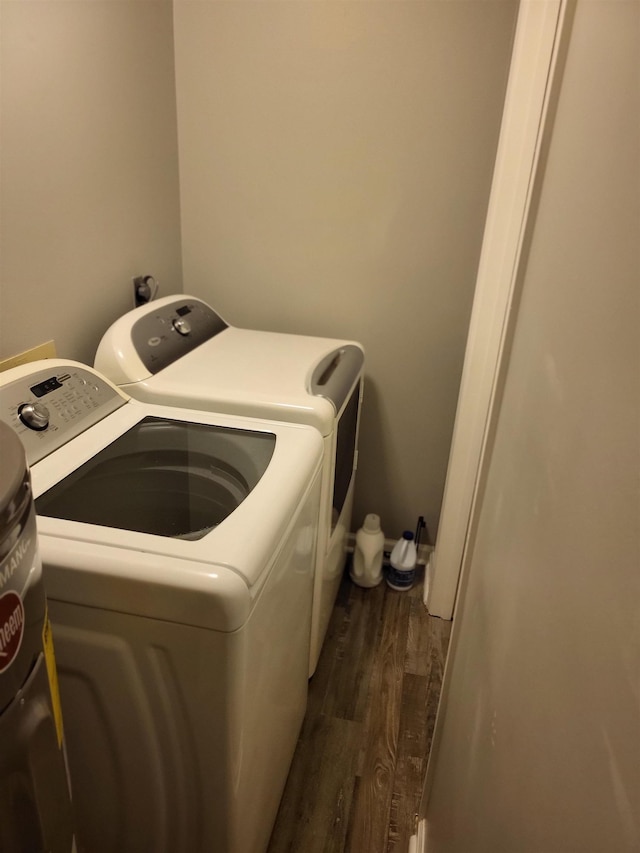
<point x="178" y="550"/>
<point x="178" y="351"/>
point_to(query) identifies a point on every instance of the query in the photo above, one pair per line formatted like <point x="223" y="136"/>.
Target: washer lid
<point x="277" y="461"/>
<point x="164" y="477"/>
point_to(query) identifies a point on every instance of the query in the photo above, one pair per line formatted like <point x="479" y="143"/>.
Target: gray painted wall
<point x="538" y="742"/>
<point x="89" y="168"/>
<point x="335" y="166"/>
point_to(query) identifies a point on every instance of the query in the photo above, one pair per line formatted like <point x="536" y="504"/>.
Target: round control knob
<point x="34" y="415"/>
<point x="182" y="326"/>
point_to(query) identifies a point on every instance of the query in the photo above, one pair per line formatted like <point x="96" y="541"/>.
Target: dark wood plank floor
<point x="356" y="778"/>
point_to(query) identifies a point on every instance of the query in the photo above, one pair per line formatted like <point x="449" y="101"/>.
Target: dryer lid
<point x="213" y="366"/>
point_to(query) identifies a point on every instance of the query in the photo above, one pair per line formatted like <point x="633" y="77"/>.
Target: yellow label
<point x="50" y="659"/>
<point x="46" y="350"/>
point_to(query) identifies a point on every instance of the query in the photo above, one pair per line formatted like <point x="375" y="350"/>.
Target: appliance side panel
<point x="273" y="696"/>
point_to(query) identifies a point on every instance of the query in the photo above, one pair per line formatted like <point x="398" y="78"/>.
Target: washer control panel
<point x="171" y="331"/>
<point x="50" y="407"/>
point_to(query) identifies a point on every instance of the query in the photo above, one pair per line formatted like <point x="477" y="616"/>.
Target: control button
<point x="154" y="341"/>
<point x="34" y="415"/>
<point x="182" y="326"/>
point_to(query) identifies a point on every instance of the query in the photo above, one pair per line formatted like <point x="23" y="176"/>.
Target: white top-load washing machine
<point x="178" y="550"/>
<point x="178" y="351"/>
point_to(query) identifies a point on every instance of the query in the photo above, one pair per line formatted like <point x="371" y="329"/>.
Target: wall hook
<point x="145" y="288"/>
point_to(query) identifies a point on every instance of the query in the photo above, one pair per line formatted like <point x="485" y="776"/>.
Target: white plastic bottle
<point x="404" y="556"/>
<point x="366" y="568"/>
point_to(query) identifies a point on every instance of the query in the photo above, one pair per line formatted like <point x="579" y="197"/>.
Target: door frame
<point x="527" y="102"/>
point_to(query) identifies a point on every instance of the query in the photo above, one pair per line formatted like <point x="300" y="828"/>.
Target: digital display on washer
<point x="47" y="386"/>
<point x="164" y="477"/>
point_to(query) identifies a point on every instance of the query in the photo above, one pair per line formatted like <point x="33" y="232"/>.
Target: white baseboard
<point x="418" y="842"/>
<point x="428" y="578"/>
